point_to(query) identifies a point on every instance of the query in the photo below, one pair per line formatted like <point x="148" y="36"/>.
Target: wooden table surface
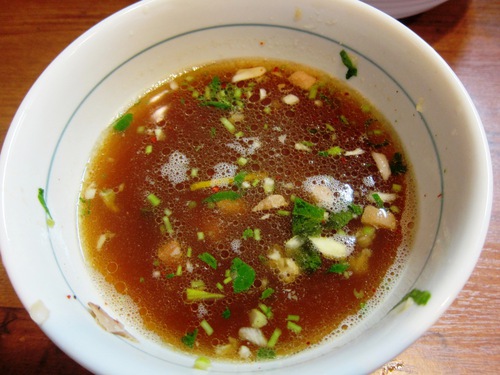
<point x="466" y="340"/>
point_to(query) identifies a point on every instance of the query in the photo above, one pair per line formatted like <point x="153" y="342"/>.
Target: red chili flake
<point x="440" y="195"/>
<point x="68" y="296"/>
<point x="153" y="139"/>
<point x="215" y="189"/>
<point x="276" y="69"/>
<point x="343" y="160"/>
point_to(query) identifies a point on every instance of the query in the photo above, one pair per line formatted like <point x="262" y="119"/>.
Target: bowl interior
<point x="62" y="117"/>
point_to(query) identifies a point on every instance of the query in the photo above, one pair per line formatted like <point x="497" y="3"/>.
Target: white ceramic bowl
<point x="404" y="8"/>
<point x="112" y="64"/>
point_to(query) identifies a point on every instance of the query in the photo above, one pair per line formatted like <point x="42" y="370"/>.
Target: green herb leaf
<point x="123" y="122"/>
<point x="396" y="164"/>
<point x="420" y="297"/>
<point x="308" y="259"/>
<point x="226" y="314"/>
<point x="266" y="353"/>
<point x="339" y="268"/>
<point x="356" y="210"/>
<point x="239" y="178"/>
<point x="267" y="293"/>
<point x="221" y="196"/>
<point x="306" y="218"/>
<point x="208" y="259"/>
<point x="352" y="70"/>
<point x="243" y="275"/>
<point x="189" y="338"/>
<point x="339" y="220"/>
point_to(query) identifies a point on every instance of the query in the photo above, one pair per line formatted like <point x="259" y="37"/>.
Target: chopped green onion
<point x="207" y="327"/>
<point x="352" y="70"/>
<point x="202" y="363"/>
<point x="208" y="259"/>
<point x="396" y="188"/>
<point x="267" y="293"/>
<point x="220" y="286"/>
<point x="41" y="199"/>
<point x="179" y="270"/>
<point x="227" y="280"/>
<point x="191" y="204"/>
<point x="294" y="327"/>
<point x="256" y="234"/>
<point x="189" y="251"/>
<point x="200" y="236"/>
<point x="194" y="172"/>
<point x="201" y="295"/>
<point x="168" y="225"/>
<point x="313" y="92"/>
<point x="267" y="110"/>
<point x="228" y="125"/>
<point x="266" y="310"/>
<point x="293" y="318"/>
<point x="122" y="123"/>
<point x="344" y="120"/>
<point x="242" y="161"/>
<point x="197" y="284"/>
<point x="153" y="199"/>
<point x="378" y="201"/>
<point x="271" y="343"/>
<point x="247" y="233"/>
<point x="283" y="213"/>
<point x="239" y="134"/>
<point x="149" y="149"/>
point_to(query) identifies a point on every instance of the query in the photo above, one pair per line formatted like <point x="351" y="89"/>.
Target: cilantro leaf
<point x="226" y="314"/>
<point x="339" y="220"/>
<point x="189" y="338"/>
<point x="208" y="259"/>
<point x="338" y="268"/>
<point x="308" y="259"/>
<point x="243" y="275"/>
<point x="397" y="165"/>
<point x="266" y="353"/>
<point x="306" y="218"/>
<point x="420" y="297"/>
<point x="221" y="196"/>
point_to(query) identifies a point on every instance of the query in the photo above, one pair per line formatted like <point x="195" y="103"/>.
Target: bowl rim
<point x="439" y="309"/>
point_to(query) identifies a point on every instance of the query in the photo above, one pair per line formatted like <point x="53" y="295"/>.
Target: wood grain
<point x="466" y="33"/>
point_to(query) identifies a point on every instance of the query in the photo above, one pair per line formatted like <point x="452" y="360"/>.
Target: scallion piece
<point x="271" y="343"/>
<point x="228" y="125"/>
<point x="202" y="363"/>
<point x="123" y="122"/>
<point x="294" y="327"/>
<point x="153" y="199"/>
<point x="207" y="327"/>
